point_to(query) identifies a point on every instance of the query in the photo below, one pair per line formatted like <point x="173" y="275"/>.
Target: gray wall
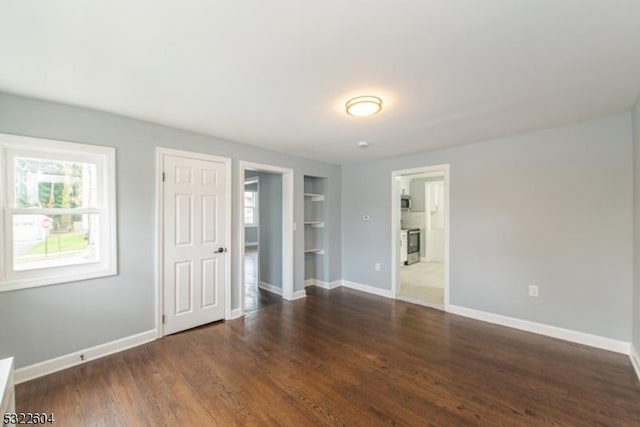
<point x="50" y="321"/>
<point x="250" y="235"/>
<point x="551" y="208"/>
<point x="636" y="217"/>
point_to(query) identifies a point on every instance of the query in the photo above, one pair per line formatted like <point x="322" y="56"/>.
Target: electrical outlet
<point x="377" y="266"/>
<point x="533" y="291"/>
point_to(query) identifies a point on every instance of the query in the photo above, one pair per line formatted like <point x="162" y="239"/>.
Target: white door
<point x="194" y="272"/>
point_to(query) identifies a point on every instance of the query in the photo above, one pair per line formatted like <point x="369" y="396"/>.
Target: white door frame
<point x="395" y="226"/>
<point x="287" y="226"/>
<point x="159" y="241"/>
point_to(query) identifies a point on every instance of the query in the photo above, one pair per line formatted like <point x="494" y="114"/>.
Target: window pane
<point x="248" y="216"/>
<point x="41" y="241"/>
<point x="249" y="198"/>
<point x="54" y="183"/>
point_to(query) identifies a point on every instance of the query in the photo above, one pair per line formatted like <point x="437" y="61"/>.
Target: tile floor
<point x="423" y="281"/>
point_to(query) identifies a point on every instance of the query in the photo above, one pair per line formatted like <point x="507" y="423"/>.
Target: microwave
<point x="405" y="203"/>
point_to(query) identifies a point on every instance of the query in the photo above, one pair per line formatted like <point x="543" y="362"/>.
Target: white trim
<point x="159" y="234"/>
<point x="395" y="226"/>
<point x="369" y="289"/>
<point x="287" y="227"/>
<point x="72" y="359"/>
<point x="314" y="251"/>
<point x="322" y="284"/>
<point x="4" y="178"/>
<point x="635" y="360"/>
<point x="418" y="301"/>
<point x="299" y="295"/>
<point x="315" y="197"/>
<point x="159" y="243"/>
<point x="56" y="211"/>
<point x="328" y="285"/>
<point x="270" y="288"/>
<point x="543" y="329"/>
<point x="251" y="244"/>
<point x="235" y="313"/>
<point x="336" y="284"/>
<point x="309" y="282"/>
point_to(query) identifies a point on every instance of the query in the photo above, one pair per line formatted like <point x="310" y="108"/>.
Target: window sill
<point x="15" y="285"/>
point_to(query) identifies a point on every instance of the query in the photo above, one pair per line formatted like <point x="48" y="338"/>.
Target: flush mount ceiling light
<point x="362" y="106"/>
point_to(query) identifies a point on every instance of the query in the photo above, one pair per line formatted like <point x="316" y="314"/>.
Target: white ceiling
<point x="276" y="74"/>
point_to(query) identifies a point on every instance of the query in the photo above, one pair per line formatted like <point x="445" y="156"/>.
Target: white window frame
<point x="256" y="202"/>
<point x="104" y="158"/>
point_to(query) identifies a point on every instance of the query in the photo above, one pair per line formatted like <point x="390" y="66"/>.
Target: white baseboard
<point x="328" y="285"/>
<point x="366" y="288"/>
<point x="420" y="302"/>
<point x="299" y="295"/>
<point x="72" y="359"/>
<point x="235" y="313"/>
<point x="635" y="360"/>
<point x="542" y="329"/>
<point x="309" y="282"/>
<point x="271" y="288"/>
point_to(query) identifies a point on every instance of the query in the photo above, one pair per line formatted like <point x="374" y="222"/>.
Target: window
<point x="251" y="202"/>
<point x="57" y="203"/>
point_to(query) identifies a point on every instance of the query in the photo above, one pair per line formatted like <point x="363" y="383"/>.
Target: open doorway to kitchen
<point x="420" y="221"/>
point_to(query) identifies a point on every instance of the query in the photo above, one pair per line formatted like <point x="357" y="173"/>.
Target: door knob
<point x="220" y="250"/>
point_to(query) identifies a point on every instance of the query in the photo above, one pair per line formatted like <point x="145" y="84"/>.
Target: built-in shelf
<point x="316" y="215"/>
<point x="314" y="251"/>
<point x="315" y="224"/>
<point x="315" y="197"/>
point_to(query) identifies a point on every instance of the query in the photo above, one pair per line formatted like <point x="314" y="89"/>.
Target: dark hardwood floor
<point x="342" y="357"/>
<point x="254" y="296"/>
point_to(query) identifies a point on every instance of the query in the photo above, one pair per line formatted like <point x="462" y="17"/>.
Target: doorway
<point x="194" y="232"/>
<point x="262" y="224"/>
<point x="266" y="235"/>
<point x="420" y="230"/>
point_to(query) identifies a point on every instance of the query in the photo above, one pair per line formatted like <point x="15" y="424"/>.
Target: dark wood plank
<point x="342" y="357"/>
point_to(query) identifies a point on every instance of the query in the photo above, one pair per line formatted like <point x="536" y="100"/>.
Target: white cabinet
<point x="7" y="397"/>
<point x="435" y="196"/>
<point x="405" y="185"/>
<point x="403" y="246"/>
